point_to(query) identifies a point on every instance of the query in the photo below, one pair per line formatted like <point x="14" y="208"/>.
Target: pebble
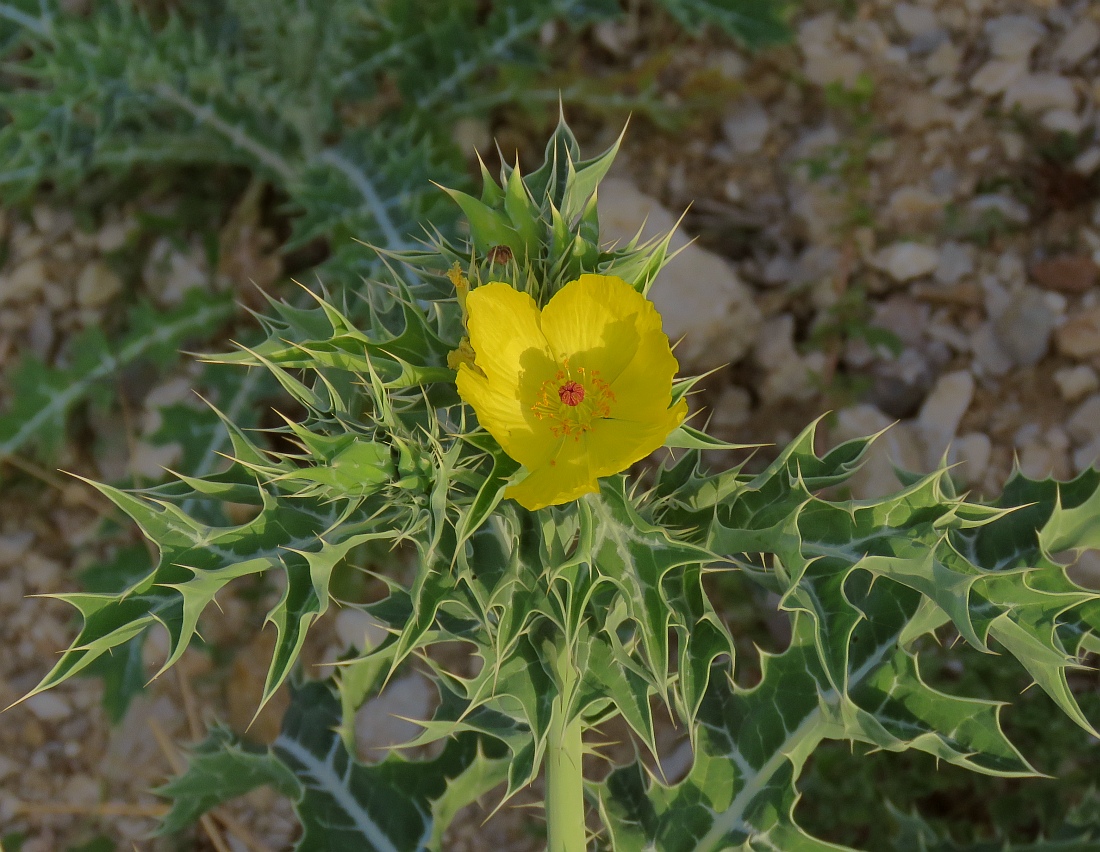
<point x="905" y="261"/>
<point x="358" y="629"/>
<point x="990" y="357"/>
<point x="943" y="410"/>
<point x="788" y="375"/>
<point x="1013" y="36"/>
<point x="747" y="127"/>
<point x="896" y="446"/>
<point x="24" y="282"/>
<point x="1076" y="382"/>
<point x="1088" y="161"/>
<point x="1039" y="92"/>
<point x="731" y="409"/>
<point x="1023" y="329"/>
<point x="916" y="20"/>
<point x="956" y="261"/>
<point x="972" y="453"/>
<point x="377" y="726"/>
<point x="997" y="75"/>
<point x="1066" y="273"/>
<point x="1079" y="42"/>
<point x="1086" y="570"/>
<point x="97" y="285"/>
<point x="48" y="706"/>
<point x="1011" y="209"/>
<point x="699" y="295"/>
<point x="1084" y="424"/>
<point x="1063" y="121"/>
<point x="913" y="207"/>
<point x="1079" y="338"/>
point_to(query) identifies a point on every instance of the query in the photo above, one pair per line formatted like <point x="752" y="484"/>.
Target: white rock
<point x="1086" y="570"/>
<point x="7" y="767"/>
<point x="14" y="546"/>
<point x="1087" y="456"/>
<point x="1041" y="92"/>
<point x="48" y="706"/>
<point x="1013" y="36"/>
<point x="1088" y="161"/>
<point x="1079" y="42"/>
<point x="1011" y="209"/>
<point x="915" y="20"/>
<point x="747" y="127"/>
<point x="956" y="261"/>
<point x="24" y="282"/>
<point x="1063" y="121"/>
<point x="913" y="206"/>
<point x="941" y="413"/>
<point x="944" y="60"/>
<point x="897" y="446"/>
<point x="358" y="629"/>
<point x="1076" y="382"/>
<point x="990" y="357"/>
<point x="844" y="67"/>
<point x="1084" y="424"/>
<point x="905" y="261"/>
<point x="1038" y="460"/>
<point x="972" y="453"/>
<point x="700" y="297"/>
<point x="787" y="375"/>
<point x="997" y="75"/>
<point x="1024" y="327"/>
<point x="97" y="285"/>
<point x="731" y="409"/>
<point x="377" y="726"/>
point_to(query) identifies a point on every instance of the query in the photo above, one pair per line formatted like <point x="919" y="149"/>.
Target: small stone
<point x="359" y="629"/>
<point x="943" y="410"/>
<point x="1066" y="273"/>
<point x="1011" y="209"/>
<point x="1040" y="92"/>
<point x="956" y="261"/>
<point x="1063" y="121"/>
<point x="113" y="235"/>
<point x="913" y="207"/>
<point x="1088" y="161"/>
<point x="906" y="261"/>
<point x="471" y="134"/>
<point x="1023" y="329"/>
<point x="896" y="446"/>
<point x="1086" y="570"/>
<point x="787" y="375"/>
<point x="990" y="357"/>
<point x="943" y="61"/>
<point x="731" y="409"/>
<point x="1080" y="42"/>
<point x="97" y="285"/>
<point x="915" y="20"/>
<point x="24" y="282"/>
<point x="14" y="546"/>
<point x="972" y="453"/>
<point x="1079" y="338"/>
<point x="48" y="707"/>
<point x="1076" y="382"/>
<point x="747" y="127"/>
<point x="997" y="75"/>
<point x="1038" y="460"/>
<point x="378" y="726"/>
<point x="1013" y="36"/>
<point x="1083" y="425"/>
<point x="1087" y="456"/>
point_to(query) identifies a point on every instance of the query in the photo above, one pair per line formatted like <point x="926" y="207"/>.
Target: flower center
<point x="571" y="393"/>
<point x="573" y="400"/>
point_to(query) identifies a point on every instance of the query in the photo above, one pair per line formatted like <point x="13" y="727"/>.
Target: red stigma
<point x="571" y="393"/>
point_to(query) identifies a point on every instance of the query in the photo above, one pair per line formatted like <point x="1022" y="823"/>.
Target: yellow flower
<point x="579" y="390"/>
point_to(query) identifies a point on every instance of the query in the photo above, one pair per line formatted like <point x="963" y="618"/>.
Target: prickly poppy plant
<point x="484" y="416"/>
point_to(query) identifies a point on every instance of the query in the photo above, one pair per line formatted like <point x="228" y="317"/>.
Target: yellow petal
<point x="502" y="414"/>
<point x="506" y="335"/>
<point x="597" y="322"/>
<point x="614" y="445"/>
<point x="568" y="477"/>
<point x="643" y="389"/>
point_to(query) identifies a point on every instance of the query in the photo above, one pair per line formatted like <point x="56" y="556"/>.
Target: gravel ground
<point x="897" y="221"/>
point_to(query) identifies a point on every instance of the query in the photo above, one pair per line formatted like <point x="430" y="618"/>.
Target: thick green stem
<point x="564" y="784"/>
